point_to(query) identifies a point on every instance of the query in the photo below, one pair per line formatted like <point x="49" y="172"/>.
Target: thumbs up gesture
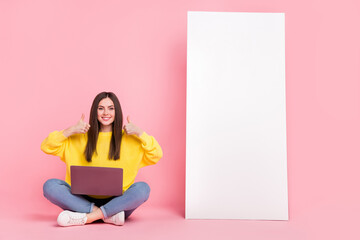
<point x="131" y="128"/>
<point x="81" y="126"/>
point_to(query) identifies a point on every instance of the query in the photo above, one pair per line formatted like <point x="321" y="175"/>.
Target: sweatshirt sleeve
<point x="55" y="144"/>
<point x="152" y="150"/>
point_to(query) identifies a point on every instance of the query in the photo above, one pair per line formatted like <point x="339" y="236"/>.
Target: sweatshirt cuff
<point x="144" y="138"/>
<point x="61" y="137"/>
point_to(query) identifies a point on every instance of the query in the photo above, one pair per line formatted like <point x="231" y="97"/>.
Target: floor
<point x="164" y="223"/>
<point x="147" y="223"/>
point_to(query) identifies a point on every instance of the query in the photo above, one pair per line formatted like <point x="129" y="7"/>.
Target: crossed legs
<point x="59" y="193"/>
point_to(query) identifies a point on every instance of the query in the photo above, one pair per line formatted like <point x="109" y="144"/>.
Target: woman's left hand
<point x="131" y="128"/>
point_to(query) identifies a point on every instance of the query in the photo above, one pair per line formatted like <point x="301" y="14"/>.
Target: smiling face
<point x="106" y="114"/>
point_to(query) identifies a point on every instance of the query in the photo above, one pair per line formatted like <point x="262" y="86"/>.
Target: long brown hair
<point x="93" y="133"/>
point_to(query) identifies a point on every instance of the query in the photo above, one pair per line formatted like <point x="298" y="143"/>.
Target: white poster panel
<point x="236" y="163"/>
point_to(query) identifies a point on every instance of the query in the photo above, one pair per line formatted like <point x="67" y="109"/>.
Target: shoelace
<point x="76" y="220"/>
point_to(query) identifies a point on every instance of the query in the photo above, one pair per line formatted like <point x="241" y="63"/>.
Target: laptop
<point x="101" y="181"/>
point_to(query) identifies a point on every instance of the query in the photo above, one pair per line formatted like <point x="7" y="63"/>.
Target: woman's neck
<point x="106" y="128"/>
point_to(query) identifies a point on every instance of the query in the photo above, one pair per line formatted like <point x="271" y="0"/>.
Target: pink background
<point x="55" y="56"/>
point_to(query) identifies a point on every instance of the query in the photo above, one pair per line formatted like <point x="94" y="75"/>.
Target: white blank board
<point x="236" y="165"/>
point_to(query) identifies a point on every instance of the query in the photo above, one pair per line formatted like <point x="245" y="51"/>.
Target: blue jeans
<point x="59" y="193"/>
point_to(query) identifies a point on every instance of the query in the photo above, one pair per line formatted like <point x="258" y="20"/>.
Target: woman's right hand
<point x="80" y="127"/>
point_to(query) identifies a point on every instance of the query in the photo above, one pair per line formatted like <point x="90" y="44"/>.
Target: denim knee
<point x="50" y="186"/>
<point x="144" y="188"/>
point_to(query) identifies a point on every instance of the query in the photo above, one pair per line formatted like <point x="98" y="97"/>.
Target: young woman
<point x="102" y="143"/>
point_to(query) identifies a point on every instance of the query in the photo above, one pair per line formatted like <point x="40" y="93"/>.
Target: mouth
<point x="106" y="118"/>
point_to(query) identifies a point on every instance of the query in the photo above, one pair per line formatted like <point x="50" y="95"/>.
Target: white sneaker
<point x="117" y="219"/>
<point x="68" y="218"/>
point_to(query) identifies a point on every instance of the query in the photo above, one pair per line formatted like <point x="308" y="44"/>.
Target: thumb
<point x="82" y="117"/>
<point x="128" y="119"/>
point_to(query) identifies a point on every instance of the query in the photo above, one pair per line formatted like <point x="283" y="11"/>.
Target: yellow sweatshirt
<point x="135" y="153"/>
